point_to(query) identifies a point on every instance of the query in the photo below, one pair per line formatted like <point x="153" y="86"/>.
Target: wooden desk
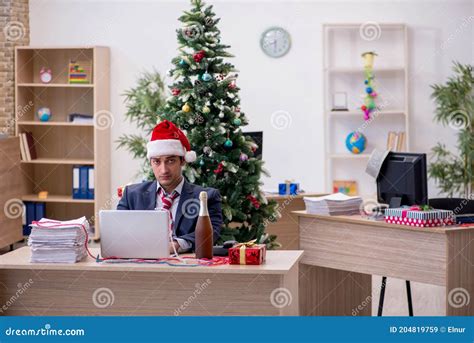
<point x="286" y="227"/>
<point x="341" y="254"/>
<point x="136" y="289"/>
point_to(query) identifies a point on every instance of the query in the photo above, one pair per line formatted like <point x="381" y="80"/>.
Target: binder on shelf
<point x="40" y="210"/>
<point x="83" y="181"/>
<point x="90" y="188"/>
<point x="32" y="211"/>
<point x="30" y="216"/>
<point x="75" y="183"/>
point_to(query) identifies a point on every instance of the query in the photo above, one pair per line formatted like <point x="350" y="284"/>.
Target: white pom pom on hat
<point x="168" y="139"/>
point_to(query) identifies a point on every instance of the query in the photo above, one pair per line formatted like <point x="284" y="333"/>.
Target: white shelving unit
<point x="344" y="72"/>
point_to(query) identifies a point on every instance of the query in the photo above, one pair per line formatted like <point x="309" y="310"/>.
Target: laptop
<point x="134" y="234"/>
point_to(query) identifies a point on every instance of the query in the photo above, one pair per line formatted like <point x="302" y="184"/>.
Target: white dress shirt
<point x="184" y="245"/>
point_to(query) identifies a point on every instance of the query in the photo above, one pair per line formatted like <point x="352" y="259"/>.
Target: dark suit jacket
<point x="142" y="196"/>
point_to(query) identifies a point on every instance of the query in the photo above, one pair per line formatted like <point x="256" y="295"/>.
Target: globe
<point x="44" y="113"/>
<point x="356" y="142"/>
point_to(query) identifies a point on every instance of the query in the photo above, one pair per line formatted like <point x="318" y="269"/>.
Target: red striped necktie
<point x="167" y="200"/>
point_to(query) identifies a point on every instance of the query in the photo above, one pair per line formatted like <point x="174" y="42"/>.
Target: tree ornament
<point x="219" y="169"/>
<point x="182" y="63"/>
<point x="228" y="143"/>
<point x="206" y="77"/>
<point x="237" y="121"/>
<point x="220" y="77"/>
<point x="201" y="162"/>
<point x="175" y="91"/>
<point x="198" y="56"/>
<point x="254" y="201"/>
<point x="232" y="85"/>
<point x="206" y="109"/>
<point x="206" y="149"/>
<point x="186" y="108"/>
<point x="221" y="115"/>
<point x="243" y="157"/>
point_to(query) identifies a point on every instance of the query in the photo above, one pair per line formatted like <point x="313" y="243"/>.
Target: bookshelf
<point x="61" y="144"/>
<point x="343" y="70"/>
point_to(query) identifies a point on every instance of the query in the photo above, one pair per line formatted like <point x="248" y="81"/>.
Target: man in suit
<point x="169" y="150"/>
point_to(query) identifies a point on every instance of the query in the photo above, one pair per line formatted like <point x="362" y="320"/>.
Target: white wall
<point x="141" y="35"/>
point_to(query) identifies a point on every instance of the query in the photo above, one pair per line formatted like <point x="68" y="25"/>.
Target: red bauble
<point x="199" y="56"/>
<point x="363" y="107"/>
<point x="175" y="91"/>
<point x="219" y="169"/>
<point x="232" y="85"/>
<point x="254" y="201"/>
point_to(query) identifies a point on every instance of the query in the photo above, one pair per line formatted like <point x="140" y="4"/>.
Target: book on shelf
<point x="80" y="118"/>
<point x="27" y="146"/>
<point x="396" y="141"/>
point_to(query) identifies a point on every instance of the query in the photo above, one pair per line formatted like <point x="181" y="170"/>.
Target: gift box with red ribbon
<point x="419" y="217"/>
<point x="247" y="253"/>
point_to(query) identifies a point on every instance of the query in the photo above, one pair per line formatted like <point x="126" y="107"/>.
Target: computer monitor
<point x="402" y="180"/>
<point x="257" y="137"/>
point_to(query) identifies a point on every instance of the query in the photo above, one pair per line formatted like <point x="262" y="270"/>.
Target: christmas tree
<point x="204" y="102"/>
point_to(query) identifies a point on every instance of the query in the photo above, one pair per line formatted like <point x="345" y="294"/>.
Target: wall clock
<point x="275" y="42"/>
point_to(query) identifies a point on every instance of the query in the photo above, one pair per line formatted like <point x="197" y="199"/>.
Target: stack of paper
<point x="53" y="241"/>
<point x="334" y="204"/>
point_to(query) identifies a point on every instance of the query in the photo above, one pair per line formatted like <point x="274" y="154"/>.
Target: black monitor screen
<point x="402" y="180"/>
<point x="257" y="137"/>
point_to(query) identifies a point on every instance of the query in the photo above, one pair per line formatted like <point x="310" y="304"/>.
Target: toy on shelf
<point x="369" y="102"/>
<point x="46" y="75"/>
<point x="356" y="142"/>
<point x="79" y="71"/>
<point x="44" y="114"/>
<point x="347" y="187"/>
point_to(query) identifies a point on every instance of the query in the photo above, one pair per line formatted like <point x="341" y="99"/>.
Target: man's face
<point x="167" y="169"/>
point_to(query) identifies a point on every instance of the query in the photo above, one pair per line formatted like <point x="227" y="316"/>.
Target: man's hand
<point x="176" y="245"/>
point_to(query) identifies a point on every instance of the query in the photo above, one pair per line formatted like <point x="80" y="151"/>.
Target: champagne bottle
<point x="204" y="232"/>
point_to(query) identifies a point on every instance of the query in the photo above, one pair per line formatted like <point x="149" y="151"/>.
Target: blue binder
<point x="30" y="216"/>
<point x="75" y="183"/>
<point x="40" y="210"/>
<point x="90" y="183"/>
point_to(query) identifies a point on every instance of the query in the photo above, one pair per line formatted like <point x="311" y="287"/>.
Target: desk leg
<point x="332" y="292"/>
<point x="460" y="273"/>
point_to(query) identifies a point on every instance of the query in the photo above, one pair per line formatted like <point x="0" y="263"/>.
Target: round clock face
<point x="45" y="77"/>
<point x="275" y="42"/>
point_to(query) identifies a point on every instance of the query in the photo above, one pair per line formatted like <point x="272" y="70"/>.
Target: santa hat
<point x="168" y="139"/>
